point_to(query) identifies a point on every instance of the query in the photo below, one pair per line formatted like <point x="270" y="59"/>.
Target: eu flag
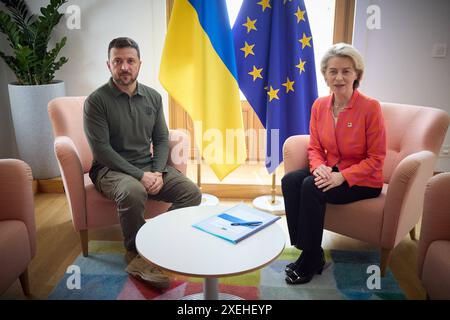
<point x="276" y="70"/>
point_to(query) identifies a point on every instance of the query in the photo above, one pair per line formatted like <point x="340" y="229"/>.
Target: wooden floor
<point x="58" y="246"/>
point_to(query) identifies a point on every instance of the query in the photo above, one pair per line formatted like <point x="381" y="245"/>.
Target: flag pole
<point x="271" y="203"/>
<point x="207" y="199"/>
<point x="273" y="190"/>
<point x="199" y="175"/>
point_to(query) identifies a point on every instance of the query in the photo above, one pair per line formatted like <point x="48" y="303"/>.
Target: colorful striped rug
<point x="345" y="277"/>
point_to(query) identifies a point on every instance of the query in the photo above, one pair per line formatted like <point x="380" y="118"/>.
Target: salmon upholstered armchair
<point x="88" y="207"/>
<point x="17" y="223"/>
<point x="434" y="241"/>
<point x="414" y="137"/>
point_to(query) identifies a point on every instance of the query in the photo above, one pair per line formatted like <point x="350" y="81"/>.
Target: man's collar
<point x="117" y="92"/>
<point x="139" y="88"/>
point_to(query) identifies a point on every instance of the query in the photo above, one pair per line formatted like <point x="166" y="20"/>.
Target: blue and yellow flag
<point x="198" y="69"/>
<point x="276" y="68"/>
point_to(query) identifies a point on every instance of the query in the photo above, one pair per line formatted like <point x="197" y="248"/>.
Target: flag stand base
<point x="273" y="203"/>
<point x="209" y="200"/>
<point x="267" y="203"/>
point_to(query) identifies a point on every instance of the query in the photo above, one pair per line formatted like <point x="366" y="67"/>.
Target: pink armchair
<point x="434" y="242"/>
<point x="89" y="208"/>
<point x="414" y="138"/>
<point x="17" y="223"/>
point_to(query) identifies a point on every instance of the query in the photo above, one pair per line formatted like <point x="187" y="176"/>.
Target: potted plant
<point x="34" y="66"/>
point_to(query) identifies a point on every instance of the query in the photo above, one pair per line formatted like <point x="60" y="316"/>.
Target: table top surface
<point x="172" y="243"/>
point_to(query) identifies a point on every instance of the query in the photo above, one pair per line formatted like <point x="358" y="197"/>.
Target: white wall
<point x="398" y="57"/>
<point x="8" y="147"/>
<point x="87" y="48"/>
<point x="321" y="21"/>
<point x="6" y="138"/>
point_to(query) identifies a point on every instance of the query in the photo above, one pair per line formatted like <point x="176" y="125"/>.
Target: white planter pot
<point x="34" y="135"/>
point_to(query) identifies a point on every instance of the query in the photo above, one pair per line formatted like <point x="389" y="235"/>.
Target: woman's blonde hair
<point x="348" y="51"/>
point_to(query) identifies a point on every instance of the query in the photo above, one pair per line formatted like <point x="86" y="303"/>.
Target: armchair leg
<point x="84" y="242"/>
<point x="386" y="255"/>
<point x="25" y="283"/>
<point x="412" y="233"/>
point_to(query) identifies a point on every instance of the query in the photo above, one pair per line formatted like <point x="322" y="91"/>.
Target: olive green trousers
<point x="130" y="197"/>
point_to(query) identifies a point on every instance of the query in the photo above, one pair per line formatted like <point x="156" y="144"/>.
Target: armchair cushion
<point x="436" y="270"/>
<point x="434" y="243"/>
<point x="15" y="251"/>
<point x="364" y="213"/>
<point x="17" y="221"/>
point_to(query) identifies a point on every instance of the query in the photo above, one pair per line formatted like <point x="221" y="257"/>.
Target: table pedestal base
<point x="201" y="296"/>
<point x="211" y="292"/>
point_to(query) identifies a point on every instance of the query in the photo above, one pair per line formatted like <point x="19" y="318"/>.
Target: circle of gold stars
<point x="248" y="50"/>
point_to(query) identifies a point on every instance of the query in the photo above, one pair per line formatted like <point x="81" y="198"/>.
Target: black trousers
<point x="305" y="206"/>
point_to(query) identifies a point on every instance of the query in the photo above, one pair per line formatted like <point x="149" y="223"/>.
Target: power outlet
<point x="445" y="152"/>
<point x="439" y="50"/>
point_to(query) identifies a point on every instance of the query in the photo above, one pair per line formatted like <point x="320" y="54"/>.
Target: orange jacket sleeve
<point x="376" y="149"/>
<point x="316" y="153"/>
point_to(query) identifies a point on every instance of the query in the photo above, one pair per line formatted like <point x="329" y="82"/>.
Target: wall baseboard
<point x="225" y="191"/>
<point x="34" y="186"/>
<point x="54" y="185"/>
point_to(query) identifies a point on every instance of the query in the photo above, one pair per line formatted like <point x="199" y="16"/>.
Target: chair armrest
<point x="295" y="153"/>
<point x="73" y="178"/>
<point x="404" y="198"/>
<point x="16" y="196"/>
<point x="179" y="148"/>
<point x="436" y="215"/>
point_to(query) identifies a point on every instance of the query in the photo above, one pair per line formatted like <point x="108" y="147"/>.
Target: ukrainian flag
<point x="198" y="69"/>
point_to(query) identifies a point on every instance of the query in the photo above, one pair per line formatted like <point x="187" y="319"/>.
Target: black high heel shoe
<point x="291" y="267"/>
<point x="299" y="277"/>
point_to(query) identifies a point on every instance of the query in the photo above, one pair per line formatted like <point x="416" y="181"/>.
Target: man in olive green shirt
<point x="122" y="119"/>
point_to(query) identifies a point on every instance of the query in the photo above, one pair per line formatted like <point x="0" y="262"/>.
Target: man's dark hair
<point x="123" y="42"/>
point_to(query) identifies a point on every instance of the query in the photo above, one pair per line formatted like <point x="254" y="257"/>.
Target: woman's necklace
<point x="337" y="109"/>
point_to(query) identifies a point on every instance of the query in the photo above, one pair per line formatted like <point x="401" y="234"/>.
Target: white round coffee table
<point x="170" y="242"/>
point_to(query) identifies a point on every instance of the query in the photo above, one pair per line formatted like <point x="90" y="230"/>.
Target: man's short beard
<point x="120" y="82"/>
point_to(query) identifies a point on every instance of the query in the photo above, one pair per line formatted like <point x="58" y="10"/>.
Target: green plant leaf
<point x="28" y="36"/>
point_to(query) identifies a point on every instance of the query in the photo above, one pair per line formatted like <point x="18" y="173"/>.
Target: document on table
<point x="236" y="223"/>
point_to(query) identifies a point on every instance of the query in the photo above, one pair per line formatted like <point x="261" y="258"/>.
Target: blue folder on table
<point x="236" y="223"/>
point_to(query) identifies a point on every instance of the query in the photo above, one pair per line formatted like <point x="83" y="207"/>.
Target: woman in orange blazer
<point x="346" y="154"/>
